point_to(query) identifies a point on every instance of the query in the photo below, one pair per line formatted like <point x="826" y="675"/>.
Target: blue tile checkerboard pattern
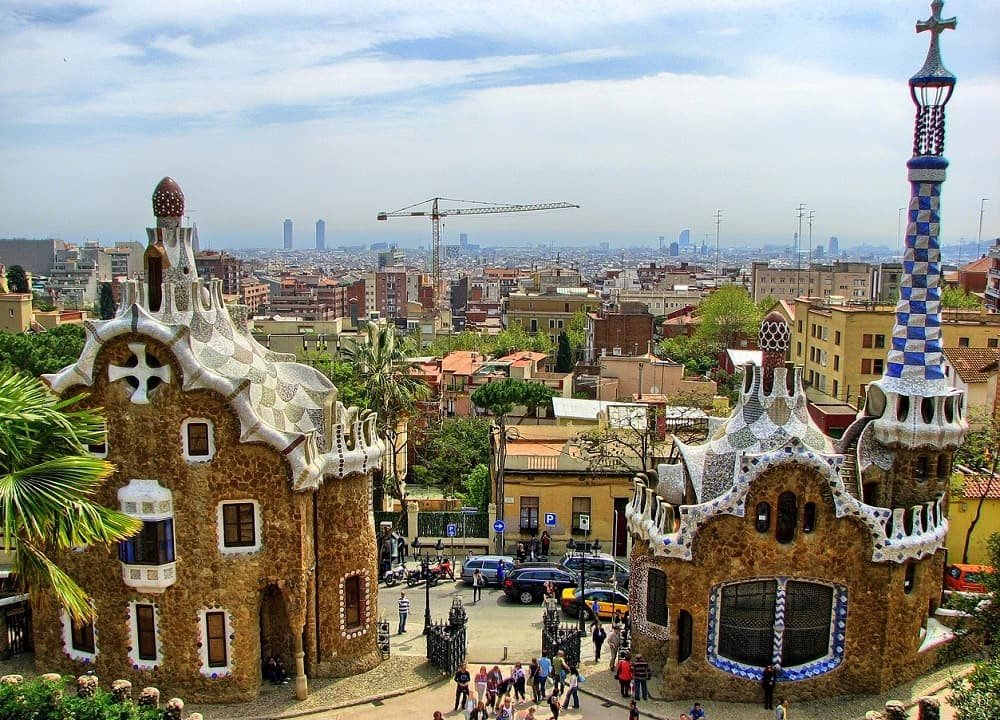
<point x="916" y="336"/>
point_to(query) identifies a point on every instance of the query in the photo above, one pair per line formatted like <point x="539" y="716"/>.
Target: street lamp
<point x="580" y="550"/>
<point x="979" y="244"/>
<point x="425" y="564"/>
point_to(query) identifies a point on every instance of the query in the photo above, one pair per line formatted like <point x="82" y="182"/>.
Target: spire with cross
<point x="933" y="68"/>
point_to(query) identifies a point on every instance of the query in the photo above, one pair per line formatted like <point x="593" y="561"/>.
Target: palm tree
<point x="47" y="481"/>
<point x="391" y="390"/>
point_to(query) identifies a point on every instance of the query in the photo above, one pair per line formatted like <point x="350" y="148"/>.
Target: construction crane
<point x="435" y="213"/>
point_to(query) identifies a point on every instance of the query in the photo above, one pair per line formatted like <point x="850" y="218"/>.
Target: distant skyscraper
<point x="685" y="238"/>
<point x="675" y="249"/>
<point x="661" y="242"/>
<point x="463" y="239"/>
<point x="834" y="246"/>
<point x="320" y="235"/>
<point x="288" y="234"/>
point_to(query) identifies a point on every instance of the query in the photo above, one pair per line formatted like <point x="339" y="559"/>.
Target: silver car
<point x="487" y="565"/>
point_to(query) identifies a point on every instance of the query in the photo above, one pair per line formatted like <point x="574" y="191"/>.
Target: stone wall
<point x="883" y="623"/>
<point x="144" y="441"/>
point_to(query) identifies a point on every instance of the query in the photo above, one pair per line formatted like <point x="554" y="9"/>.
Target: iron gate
<point x="18" y="620"/>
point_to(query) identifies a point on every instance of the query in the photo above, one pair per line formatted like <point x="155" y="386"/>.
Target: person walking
<point x="768" y="680"/>
<point x="480" y="682"/>
<point x="641" y="674"/>
<point x="623" y="673"/>
<point x="554" y="706"/>
<point x="480" y="712"/>
<point x="598" y="635"/>
<point x="614" y="643"/>
<point x="696" y="712"/>
<point x="544" y="670"/>
<point x="493" y="679"/>
<point x="559" y="670"/>
<point x="573" y="686"/>
<point x="546" y="542"/>
<point x="633" y="710"/>
<point x="781" y="712"/>
<point x="501" y="573"/>
<point x="462" y="679"/>
<point x="477" y="586"/>
<point x="404" y="612"/>
<point x="518" y="676"/>
<point x="533" y="679"/>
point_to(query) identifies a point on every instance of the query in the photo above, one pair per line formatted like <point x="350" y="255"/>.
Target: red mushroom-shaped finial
<point x="775" y="337"/>
<point x="168" y="200"/>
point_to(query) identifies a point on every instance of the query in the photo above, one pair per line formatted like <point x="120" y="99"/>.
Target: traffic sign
<point x="550" y="519"/>
<point x="499" y="526"/>
<point x="584" y="522"/>
<point x="469" y="510"/>
<point x="452" y="530"/>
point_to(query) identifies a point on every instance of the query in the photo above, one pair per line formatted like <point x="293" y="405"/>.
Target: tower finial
<point x="935" y="24"/>
<point x="168" y="203"/>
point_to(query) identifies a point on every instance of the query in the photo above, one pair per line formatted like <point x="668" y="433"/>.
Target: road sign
<point x="585" y="522"/>
<point x="550" y="519"/>
<point x="469" y="510"/>
<point x="499" y="526"/>
<point x="451" y="530"/>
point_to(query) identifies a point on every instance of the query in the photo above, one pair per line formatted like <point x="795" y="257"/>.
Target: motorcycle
<point x="415" y="577"/>
<point x="393" y="575"/>
<point x="444" y="567"/>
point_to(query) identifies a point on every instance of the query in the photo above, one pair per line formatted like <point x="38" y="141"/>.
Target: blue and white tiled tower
<point x="913" y="401"/>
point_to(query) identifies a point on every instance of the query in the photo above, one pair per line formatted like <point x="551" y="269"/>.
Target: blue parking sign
<point x="499" y="526"/>
<point x="451" y="530"/>
<point x="550" y="519"/>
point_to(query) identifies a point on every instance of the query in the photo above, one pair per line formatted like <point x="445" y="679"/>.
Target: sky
<point x="651" y="116"/>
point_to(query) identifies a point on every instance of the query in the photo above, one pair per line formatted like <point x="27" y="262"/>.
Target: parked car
<point x="600" y="567"/>
<point x="966" y="578"/>
<point x="609" y="600"/>
<point x="487" y="565"/>
<point x="528" y="584"/>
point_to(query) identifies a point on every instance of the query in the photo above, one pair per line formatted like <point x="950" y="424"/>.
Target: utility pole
<point x="979" y="244"/>
<point x="718" y="224"/>
<point x="809" y="267"/>
<point x="798" y="251"/>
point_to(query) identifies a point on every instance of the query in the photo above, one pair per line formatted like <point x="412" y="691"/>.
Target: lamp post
<point x="979" y="244"/>
<point x="580" y="550"/>
<point x="425" y="564"/>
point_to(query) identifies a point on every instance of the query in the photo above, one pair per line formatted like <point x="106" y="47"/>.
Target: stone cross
<point x="935" y="23"/>
<point x="141" y="373"/>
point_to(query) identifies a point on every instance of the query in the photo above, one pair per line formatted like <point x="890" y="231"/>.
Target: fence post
<point x="492" y="511"/>
<point x="412" y="513"/>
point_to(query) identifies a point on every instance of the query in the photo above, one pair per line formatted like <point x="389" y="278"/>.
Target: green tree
<point x="499" y="399"/>
<point x="107" y="302"/>
<point x="476" y="488"/>
<point x="979" y="627"/>
<point x="980" y="451"/>
<point x="17" y="279"/>
<point x="977" y="697"/>
<point x="515" y="338"/>
<point x="726" y="315"/>
<point x="953" y="297"/>
<point x="343" y="374"/>
<point x="43" y="352"/>
<point x="564" y="355"/>
<point x="691" y="352"/>
<point x="391" y="390"/>
<point x="47" y="480"/>
<point x="577" y="334"/>
<point x="450" y="450"/>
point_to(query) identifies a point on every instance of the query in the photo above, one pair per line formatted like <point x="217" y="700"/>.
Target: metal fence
<point x="556" y="637"/>
<point x="399" y="520"/>
<point x="446" y="642"/>
<point x="435" y="524"/>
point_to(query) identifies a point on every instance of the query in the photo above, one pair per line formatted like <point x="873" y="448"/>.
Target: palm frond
<point x="38" y="570"/>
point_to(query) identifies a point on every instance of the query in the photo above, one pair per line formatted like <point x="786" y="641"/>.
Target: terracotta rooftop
<point x="973" y="365"/>
<point x="461" y="362"/>
<point x="979" y="485"/>
<point x="983" y="264"/>
<point x="524" y="357"/>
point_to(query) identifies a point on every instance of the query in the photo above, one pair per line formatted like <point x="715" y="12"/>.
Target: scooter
<point x="393" y="575"/>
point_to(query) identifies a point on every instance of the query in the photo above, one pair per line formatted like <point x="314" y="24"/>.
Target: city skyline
<point x="651" y="119"/>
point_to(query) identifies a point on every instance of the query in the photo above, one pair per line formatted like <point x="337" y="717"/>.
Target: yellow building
<point x="547" y="474"/>
<point x="961" y="513"/>
<point x="15" y="312"/>
<point x="842" y="347"/>
<point x="851" y="280"/>
<point x="548" y="312"/>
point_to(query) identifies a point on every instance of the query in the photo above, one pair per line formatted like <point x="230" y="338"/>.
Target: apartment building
<point x="217" y="264"/>
<point x="842" y="347"/>
<point x="992" y="290"/>
<point x="548" y="312"/>
<point x="660" y="301"/>
<point x="254" y="294"/>
<point x="849" y="280"/>
<point x="628" y="329"/>
<point x="391" y="293"/>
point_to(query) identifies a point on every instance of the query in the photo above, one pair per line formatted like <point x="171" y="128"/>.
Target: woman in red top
<point x="624" y="675"/>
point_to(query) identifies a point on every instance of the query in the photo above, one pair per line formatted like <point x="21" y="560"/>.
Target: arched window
<point x="788" y="511"/>
<point x="684" y="632"/>
<point x="809" y="517"/>
<point x="908" y="576"/>
<point x="763" y="517"/>
<point x="920" y="468"/>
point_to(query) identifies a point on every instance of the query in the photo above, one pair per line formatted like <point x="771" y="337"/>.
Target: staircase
<point x="849" y="471"/>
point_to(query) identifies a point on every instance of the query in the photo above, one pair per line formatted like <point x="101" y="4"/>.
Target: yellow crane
<point x="435" y="213"/>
